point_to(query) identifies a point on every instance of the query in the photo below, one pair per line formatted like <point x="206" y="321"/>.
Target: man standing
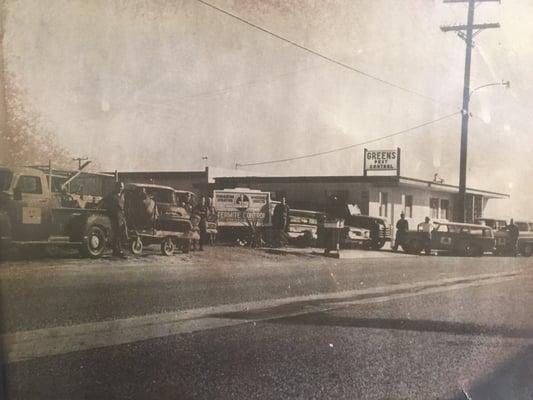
<point x="402" y="226"/>
<point x="201" y="211"/>
<point x="280" y="220"/>
<point x="114" y="204"/>
<point x="513" y="236"/>
<point x="427" y="228"/>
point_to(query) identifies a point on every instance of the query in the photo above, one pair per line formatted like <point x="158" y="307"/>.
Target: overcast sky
<point x="140" y="85"/>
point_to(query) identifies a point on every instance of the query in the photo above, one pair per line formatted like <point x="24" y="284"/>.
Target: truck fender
<point x="5" y="228"/>
<point x="91" y="219"/>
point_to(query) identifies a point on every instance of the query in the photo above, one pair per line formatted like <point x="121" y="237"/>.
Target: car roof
<point x="461" y="224"/>
<point x="368" y="217"/>
<point x="149" y="185"/>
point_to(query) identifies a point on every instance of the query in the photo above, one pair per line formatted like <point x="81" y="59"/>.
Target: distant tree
<point x="27" y="139"/>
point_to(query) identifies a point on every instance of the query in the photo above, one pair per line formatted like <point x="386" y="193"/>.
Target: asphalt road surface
<point x="233" y="323"/>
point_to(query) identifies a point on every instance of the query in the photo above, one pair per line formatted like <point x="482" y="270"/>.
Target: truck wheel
<point x="136" y="246"/>
<point x="94" y="242"/>
<point x="167" y="247"/>
<point x="378" y="244"/>
<point x="527" y="250"/>
<point x="472" y="250"/>
<point x="414" y="247"/>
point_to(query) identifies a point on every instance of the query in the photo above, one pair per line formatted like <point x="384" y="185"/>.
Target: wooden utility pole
<point x="467" y="33"/>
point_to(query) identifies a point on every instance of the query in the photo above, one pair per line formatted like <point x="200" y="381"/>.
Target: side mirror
<point x="17" y="194"/>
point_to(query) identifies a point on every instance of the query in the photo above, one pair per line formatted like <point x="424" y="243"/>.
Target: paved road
<point x="231" y="323"/>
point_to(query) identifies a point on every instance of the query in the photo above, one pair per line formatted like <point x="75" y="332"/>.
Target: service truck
<point x="241" y="212"/>
<point x="32" y="215"/>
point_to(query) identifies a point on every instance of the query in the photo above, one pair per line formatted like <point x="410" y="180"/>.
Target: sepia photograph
<point x="266" y="199"/>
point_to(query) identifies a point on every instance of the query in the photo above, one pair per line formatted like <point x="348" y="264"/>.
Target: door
<point x="441" y="238"/>
<point x="32" y="210"/>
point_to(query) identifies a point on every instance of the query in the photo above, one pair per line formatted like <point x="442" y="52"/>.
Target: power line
<point x="316" y="53"/>
<point x="352" y="145"/>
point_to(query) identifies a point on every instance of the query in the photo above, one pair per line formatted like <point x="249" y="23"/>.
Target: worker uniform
<point x="513" y="237"/>
<point x="280" y="223"/>
<point x="201" y="210"/>
<point x="402" y="226"/>
<point x="427" y="228"/>
<point x="114" y="205"/>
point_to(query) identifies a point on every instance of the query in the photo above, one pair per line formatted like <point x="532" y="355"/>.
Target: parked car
<point x="503" y="243"/>
<point x="379" y="229"/>
<point x="304" y="226"/>
<point x="453" y="237"/>
<point x="170" y="226"/>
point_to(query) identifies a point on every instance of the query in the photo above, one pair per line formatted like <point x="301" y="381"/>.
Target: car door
<point x="441" y="238"/>
<point x="32" y="210"/>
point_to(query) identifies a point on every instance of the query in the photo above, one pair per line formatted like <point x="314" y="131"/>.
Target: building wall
<point x="420" y="203"/>
<point x="194" y="181"/>
<point x="314" y="195"/>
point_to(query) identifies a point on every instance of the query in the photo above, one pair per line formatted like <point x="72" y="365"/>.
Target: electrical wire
<point x="316" y="53"/>
<point x="403" y="131"/>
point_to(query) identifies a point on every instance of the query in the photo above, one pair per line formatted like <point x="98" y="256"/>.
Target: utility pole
<point x="466" y="32"/>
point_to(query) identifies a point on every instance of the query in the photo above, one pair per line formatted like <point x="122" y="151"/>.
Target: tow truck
<point x="32" y="214"/>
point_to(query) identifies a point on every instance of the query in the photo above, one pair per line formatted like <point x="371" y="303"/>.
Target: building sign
<point x="382" y="160"/>
<point x="240" y="207"/>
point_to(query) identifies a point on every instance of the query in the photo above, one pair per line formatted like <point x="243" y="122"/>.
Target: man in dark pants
<point x="201" y="211"/>
<point x="280" y="221"/>
<point x="114" y="204"/>
<point x="402" y="226"/>
<point x="513" y="236"/>
<point x="427" y="228"/>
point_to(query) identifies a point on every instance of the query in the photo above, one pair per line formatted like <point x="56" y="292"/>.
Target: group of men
<point x="402" y="226"/>
<point x="114" y="202"/>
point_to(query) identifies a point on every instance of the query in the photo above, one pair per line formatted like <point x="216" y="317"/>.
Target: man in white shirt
<point x="427" y="228"/>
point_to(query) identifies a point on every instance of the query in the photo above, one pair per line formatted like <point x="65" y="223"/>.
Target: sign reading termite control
<point x="31" y="215"/>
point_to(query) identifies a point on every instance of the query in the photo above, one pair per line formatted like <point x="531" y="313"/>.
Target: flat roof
<point x="377" y="179"/>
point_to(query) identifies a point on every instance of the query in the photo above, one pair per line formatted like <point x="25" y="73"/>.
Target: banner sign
<point x="240" y="207"/>
<point x="382" y="160"/>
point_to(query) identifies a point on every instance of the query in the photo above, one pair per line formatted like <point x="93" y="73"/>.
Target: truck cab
<point x="503" y="243"/>
<point x="30" y="214"/>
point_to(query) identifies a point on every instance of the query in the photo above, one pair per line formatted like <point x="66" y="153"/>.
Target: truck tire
<point x="472" y="250"/>
<point x="414" y="247"/>
<point x="136" y="246"/>
<point x="94" y="242"/>
<point x="377" y="244"/>
<point x="167" y="247"/>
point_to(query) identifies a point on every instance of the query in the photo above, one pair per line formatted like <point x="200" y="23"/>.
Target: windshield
<point x="5" y="179"/>
<point x="161" y="195"/>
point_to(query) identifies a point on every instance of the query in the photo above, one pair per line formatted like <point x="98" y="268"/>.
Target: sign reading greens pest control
<point x="382" y="160"/>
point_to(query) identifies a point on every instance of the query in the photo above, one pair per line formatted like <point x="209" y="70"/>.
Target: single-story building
<point x="385" y="196"/>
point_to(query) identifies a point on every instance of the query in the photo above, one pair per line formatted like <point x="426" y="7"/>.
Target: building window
<point x="408" y="206"/>
<point x="383" y="204"/>
<point x="444" y="209"/>
<point x="434" y="208"/>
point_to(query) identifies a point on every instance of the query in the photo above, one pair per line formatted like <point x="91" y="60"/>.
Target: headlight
<point x="353" y="234"/>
